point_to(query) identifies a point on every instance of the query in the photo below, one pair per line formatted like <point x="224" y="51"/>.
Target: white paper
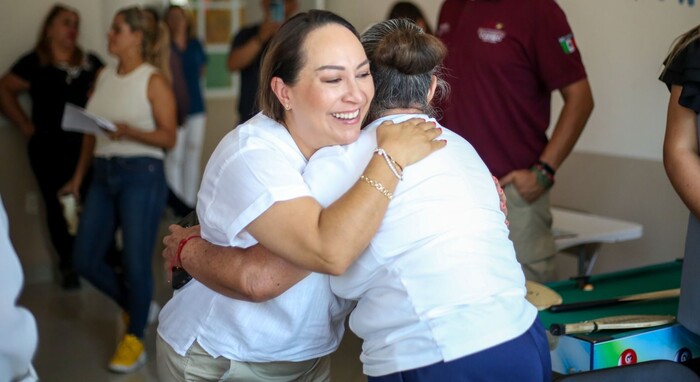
<point x="75" y="118"/>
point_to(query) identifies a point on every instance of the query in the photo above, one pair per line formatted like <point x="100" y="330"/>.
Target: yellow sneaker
<point x="124" y="319"/>
<point x="130" y="355"/>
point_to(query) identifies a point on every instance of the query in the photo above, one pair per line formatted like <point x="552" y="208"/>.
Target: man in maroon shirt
<point x="505" y="58"/>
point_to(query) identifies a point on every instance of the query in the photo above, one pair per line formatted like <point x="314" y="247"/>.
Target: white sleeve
<point x="18" y="329"/>
<point x="333" y="170"/>
<point x="239" y="188"/>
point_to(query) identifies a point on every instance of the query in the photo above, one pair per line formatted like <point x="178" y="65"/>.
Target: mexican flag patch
<point x="567" y="43"/>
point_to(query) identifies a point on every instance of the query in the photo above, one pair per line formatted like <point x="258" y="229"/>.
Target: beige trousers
<point x="531" y="234"/>
<point x="198" y="365"/>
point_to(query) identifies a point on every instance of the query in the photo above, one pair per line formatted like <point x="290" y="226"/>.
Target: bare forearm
<point x="329" y="240"/>
<point x="348" y="225"/>
<point x="683" y="170"/>
<point x="578" y="105"/>
<point x="681" y="157"/>
<point x="253" y="274"/>
<point x="241" y="57"/>
<point x="10" y="86"/>
<point x="338" y="234"/>
<point x="11" y="108"/>
<point x="86" y="153"/>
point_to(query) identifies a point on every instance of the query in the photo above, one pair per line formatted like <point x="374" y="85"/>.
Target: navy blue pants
<point x="129" y="193"/>
<point x="523" y="359"/>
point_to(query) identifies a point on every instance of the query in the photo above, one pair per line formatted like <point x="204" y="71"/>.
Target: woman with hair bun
<point x="440" y="295"/>
<point x="128" y="188"/>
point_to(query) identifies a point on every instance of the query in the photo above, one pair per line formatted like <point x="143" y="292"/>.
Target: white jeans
<point x="182" y="162"/>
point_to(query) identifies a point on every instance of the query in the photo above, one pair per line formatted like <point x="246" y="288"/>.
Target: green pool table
<point x="582" y="352"/>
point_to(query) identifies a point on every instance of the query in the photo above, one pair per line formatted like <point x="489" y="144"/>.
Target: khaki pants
<point x="198" y="365"/>
<point x="531" y="234"/>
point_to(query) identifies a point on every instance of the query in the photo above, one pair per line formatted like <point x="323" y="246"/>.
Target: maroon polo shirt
<point x="505" y="57"/>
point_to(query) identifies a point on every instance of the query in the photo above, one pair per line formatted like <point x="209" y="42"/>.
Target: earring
<point x="287" y="107"/>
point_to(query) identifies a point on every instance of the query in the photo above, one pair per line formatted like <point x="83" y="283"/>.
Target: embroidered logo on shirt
<point x="567" y="43"/>
<point x="491" y="35"/>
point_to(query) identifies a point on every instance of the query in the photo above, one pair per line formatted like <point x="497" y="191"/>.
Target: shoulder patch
<point x="567" y="43"/>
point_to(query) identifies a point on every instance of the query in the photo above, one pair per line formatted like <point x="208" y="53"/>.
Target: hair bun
<point x="408" y="51"/>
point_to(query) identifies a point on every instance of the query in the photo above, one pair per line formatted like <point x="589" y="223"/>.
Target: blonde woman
<point x="128" y="189"/>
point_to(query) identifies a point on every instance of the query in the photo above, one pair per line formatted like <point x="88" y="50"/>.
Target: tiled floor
<point x="78" y="333"/>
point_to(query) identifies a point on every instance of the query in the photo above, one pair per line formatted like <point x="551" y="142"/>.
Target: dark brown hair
<point x="681" y="42"/>
<point x="43" y="44"/>
<point x="284" y="56"/>
<point x="185" y="13"/>
<point x="403" y="60"/>
<point x="408" y="10"/>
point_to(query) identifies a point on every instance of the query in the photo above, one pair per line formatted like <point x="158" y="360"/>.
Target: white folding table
<point x="582" y="234"/>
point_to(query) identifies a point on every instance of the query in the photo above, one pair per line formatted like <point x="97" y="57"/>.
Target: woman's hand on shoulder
<point x="410" y="141"/>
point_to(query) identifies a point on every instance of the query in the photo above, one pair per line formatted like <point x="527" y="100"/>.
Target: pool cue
<point x="634" y="321"/>
<point x="614" y="301"/>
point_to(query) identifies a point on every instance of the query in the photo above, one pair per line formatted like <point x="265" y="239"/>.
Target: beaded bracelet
<point x="380" y="187"/>
<point x="398" y="173"/>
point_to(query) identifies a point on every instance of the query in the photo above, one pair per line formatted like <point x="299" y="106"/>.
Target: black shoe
<point x="70" y="280"/>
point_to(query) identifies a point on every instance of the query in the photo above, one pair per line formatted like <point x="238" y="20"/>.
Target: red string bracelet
<point x="182" y="244"/>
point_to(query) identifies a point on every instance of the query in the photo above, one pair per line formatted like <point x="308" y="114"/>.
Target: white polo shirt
<point x="439" y="280"/>
<point x="254" y="166"/>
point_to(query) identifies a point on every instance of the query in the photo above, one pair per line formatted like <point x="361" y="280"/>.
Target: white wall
<point x="363" y="13"/>
<point x="623" y="43"/>
<point x="20" y="22"/>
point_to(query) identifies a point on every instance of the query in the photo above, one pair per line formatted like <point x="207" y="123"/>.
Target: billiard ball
<point x="682" y="355"/>
<point x="628" y="357"/>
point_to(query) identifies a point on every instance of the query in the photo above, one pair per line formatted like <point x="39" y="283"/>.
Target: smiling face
<point x="332" y="93"/>
<point x="63" y="29"/>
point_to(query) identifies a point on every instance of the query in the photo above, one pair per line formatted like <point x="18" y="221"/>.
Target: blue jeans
<point x="523" y="359"/>
<point x="129" y="193"/>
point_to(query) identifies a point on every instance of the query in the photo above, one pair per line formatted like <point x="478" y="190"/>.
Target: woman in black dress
<point x="56" y="71"/>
